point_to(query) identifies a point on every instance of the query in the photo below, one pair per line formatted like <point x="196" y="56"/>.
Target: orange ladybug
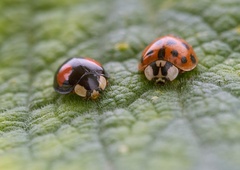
<point x="166" y="57"/>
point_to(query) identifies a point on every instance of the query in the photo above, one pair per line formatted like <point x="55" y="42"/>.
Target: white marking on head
<point x="149" y="73"/>
<point x="160" y="63"/>
<point x="80" y="90"/>
<point x="102" y="82"/>
<point x="149" y="70"/>
<point x="172" y="73"/>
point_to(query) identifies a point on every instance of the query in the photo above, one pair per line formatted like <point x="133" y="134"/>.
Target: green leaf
<point x="191" y="123"/>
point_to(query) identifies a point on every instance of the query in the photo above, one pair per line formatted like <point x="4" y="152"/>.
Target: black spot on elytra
<point x="171" y="42"/>
<point x="165" y="68"/>
<point x="193" y="59"/>
<point x="174" y="53"/>
<point x="185" y="45"/>
<point x="149" y="52"/>
<point x="183" y="59"/>
<point x="161" y="53"/>
<point x="155" y="68"/>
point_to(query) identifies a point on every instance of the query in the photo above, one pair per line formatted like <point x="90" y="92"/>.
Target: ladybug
<point x="83" y="76"/>
<point x="166" y="57"/>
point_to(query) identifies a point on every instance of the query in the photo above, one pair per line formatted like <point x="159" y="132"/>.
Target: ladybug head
<point x="160" y="71"/>
<point x="90" y="86"/>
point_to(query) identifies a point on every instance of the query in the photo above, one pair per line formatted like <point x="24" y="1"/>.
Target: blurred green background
<point x="191" y="123"/>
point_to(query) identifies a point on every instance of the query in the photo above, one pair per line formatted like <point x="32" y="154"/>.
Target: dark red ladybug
<point x="83" y="76"/>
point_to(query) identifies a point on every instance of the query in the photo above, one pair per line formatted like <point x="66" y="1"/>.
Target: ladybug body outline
<point x="166" y="57"/>
<point x="83" y="76"/>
